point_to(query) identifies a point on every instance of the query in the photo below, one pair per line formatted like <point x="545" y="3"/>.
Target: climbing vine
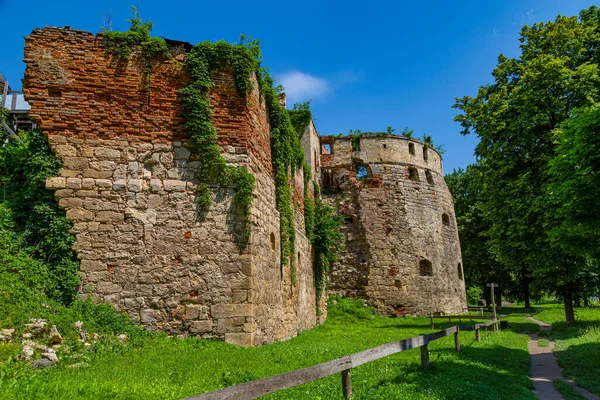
<point x="200" y="63"/>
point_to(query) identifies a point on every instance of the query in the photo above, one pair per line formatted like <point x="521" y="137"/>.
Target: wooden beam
<point x="4" y="93"/>
<point x="262" y="387"/>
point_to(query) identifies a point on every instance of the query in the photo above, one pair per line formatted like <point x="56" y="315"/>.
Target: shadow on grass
<point x="475" y="373"/>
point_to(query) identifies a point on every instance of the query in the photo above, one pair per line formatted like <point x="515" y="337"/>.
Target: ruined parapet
<point x="128" y="184"/>
<point x="402" y="249"/>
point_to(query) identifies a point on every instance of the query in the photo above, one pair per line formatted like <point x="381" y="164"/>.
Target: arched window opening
<point x="445" y="219"/>
<point x="460" y="272"/>
<point x="413" y="174"/>
<point x="425" y="153"/>
<point x="429" y="177"/>
<point x="411" y="148"/>
<point x="425" y="268"/>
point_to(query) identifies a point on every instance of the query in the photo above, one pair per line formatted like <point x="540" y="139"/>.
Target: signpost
<point x="492" y="286"/>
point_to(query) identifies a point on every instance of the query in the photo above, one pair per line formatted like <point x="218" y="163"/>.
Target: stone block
<point x="231" y="310"/>
<point x="119" y="185"/>
<point x="103" y="184"/>
<point x="201" y="326"/>
<point x="240" y="339"/>
<point x="104" y="152"/>
<point x="155" y="185"/>
<point x="109" y="216"/>
<point x="56" y="183"/>
<point x="174" y="185"/>
<point x="65" y="150"/>
<point x="150" y="316"/>
<point x="92" y="266"/>
<point x="80" y="215"/>
<point x="74" y="183"/>
<point x="134" y="185"/>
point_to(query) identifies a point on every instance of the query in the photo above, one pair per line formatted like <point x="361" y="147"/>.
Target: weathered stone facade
<point x="402" y="249"/>
<point x="128" y="186"/>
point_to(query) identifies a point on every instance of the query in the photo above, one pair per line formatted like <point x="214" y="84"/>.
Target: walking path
<point x="545" y="368"/>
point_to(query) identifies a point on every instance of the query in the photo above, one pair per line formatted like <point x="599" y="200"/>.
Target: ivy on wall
<point x="200" y="63"/>
<point x="287" y="127"/>
<point x="152" y="50"/>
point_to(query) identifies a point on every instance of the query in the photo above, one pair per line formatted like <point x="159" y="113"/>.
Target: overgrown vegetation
<point x="160" y="367"/>
<point x="200" y="63"/>
<point x="36" y="247"/>
<point x="152" y="50"/>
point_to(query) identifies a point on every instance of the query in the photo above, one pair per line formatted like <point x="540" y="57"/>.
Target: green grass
<point x="160" y="367"/>
<point x="567" y="391"/>
<point x="543" y="343"/>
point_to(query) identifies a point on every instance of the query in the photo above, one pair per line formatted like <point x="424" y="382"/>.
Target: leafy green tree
<point x="514" y="117"/>
<point x="35" y="219"/>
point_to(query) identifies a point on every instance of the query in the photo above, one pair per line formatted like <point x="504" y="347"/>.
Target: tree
<point x="514" y="118"/>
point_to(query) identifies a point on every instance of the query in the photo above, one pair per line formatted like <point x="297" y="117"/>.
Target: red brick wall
<point x="76" y="89"/>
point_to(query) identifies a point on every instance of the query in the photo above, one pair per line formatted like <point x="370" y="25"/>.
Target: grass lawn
<point x="159" y="367"/>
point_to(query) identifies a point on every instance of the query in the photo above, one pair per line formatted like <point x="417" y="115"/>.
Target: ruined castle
<point x="128" y="186"/>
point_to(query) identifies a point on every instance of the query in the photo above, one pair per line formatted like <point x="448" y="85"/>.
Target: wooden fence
<point x="254" y="389"/>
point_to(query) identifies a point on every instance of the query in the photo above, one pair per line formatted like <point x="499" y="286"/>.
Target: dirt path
<point x="545" y="368"/>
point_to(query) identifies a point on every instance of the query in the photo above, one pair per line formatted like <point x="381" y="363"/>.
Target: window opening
<point x="411" y="148"/>
<point x="429" y="177"/>
<point x="445" y="219"/>
<point x="361" y="172"/>
<point x="425" y="268"/>
<point x="413" y="174"/>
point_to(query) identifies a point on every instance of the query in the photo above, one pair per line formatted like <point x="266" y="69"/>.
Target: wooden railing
<point x="343" y="365"/>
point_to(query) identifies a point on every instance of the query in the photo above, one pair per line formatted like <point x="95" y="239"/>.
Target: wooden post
<point x="13" y="105"/>
<point x="424" y="356"/>
<point x="431" y="318"/>
<point x="4" y="94"/>
<point x="492" y="286"/>
<point x="347" y="384"/>
<point x="477" y="335"/>
<point x="456" y="342"/>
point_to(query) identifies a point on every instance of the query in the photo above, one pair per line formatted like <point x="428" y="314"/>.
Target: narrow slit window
<point x="460" y="272"/>
<point x="411" y="148"/>
<point x="445" y="219"/>
<point x="429" y="177"/>
<point x="425" y="153"/>
<point x="272" y="241"/>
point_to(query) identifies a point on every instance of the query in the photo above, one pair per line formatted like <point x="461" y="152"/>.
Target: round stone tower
<point x="402" y="250"/>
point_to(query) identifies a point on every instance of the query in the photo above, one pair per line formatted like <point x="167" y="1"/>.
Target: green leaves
<point x="515" y="119"/>
<point x="35" y="242"/>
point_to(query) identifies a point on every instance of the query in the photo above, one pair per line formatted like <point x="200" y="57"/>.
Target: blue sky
<point x="365" y="65"/>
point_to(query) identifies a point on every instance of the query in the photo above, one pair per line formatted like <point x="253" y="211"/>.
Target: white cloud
<point x="299" y="86"/>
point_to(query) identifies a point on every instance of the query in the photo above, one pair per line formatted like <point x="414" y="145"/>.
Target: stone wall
<point x="128" y="186"/>
<point x="402" y="248"/>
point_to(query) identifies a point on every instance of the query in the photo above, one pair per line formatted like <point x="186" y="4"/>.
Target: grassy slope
<point x="159" y="367"/>
<point x="578" y="346"/>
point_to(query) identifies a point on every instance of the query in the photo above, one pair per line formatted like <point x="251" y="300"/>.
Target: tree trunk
<point x="569" y="314"/>
<point x="525" y="279"/>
